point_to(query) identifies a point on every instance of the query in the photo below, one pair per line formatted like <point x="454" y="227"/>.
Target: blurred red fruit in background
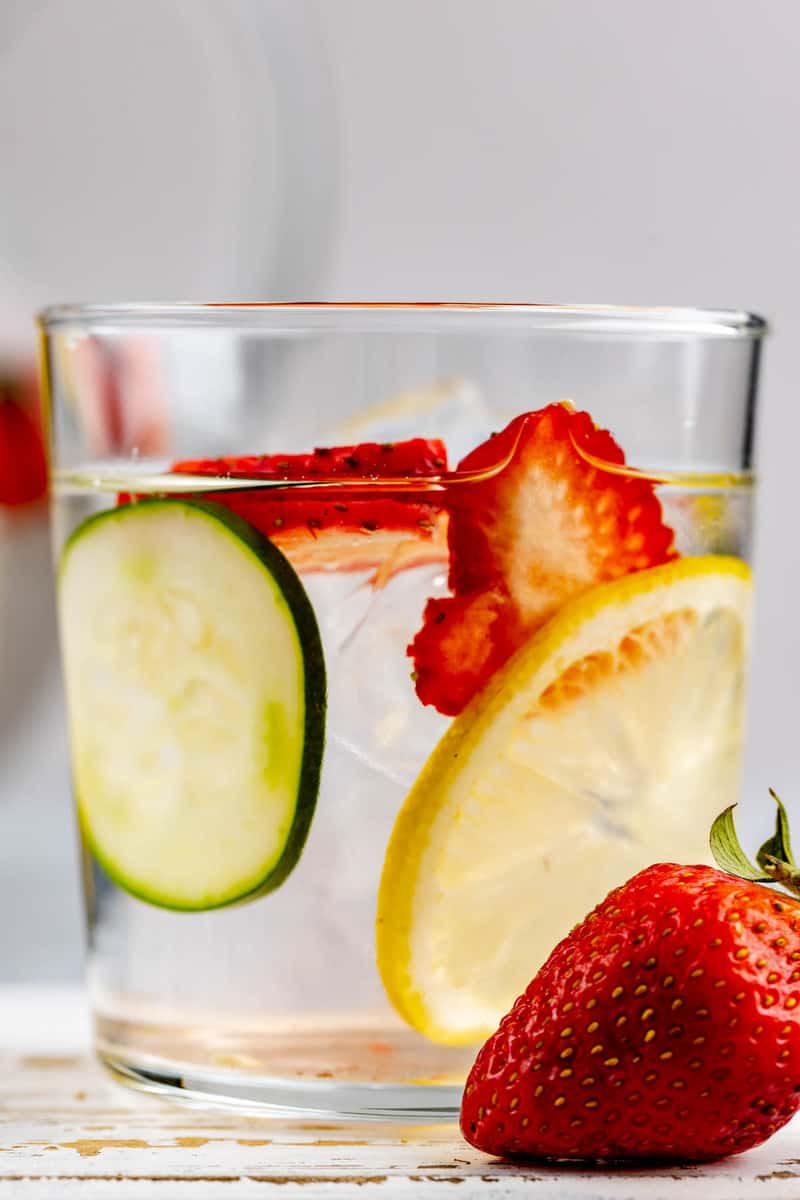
<point x="23" y="466"/>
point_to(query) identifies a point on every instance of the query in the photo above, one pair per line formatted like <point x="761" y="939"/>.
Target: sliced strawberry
<point x="543" y="525"/>
<point x="415" y="458"/>
<point x="353" y="526"/>
<point x="23" y="467"/>
<point x="471" y="635"/>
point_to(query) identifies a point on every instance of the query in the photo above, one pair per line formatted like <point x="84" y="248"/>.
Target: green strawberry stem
<point x="775" y="860"/>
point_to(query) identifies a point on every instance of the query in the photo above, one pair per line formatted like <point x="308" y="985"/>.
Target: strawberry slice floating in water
<point x="546" y="527"/>
<point x="353" y="526"/>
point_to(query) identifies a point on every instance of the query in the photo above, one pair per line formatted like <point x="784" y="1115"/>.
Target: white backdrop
<point x="594" y="150"/>
<point x="560" y="150"/>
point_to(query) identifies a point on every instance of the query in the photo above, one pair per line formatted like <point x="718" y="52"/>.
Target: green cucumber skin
<point x="315" y="697"/>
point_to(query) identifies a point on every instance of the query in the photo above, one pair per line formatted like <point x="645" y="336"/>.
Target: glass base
<point x="410" y="1104"/>
<point x="337" y="1075"/>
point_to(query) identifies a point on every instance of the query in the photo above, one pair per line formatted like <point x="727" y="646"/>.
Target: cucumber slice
<point x="196" y="688"/>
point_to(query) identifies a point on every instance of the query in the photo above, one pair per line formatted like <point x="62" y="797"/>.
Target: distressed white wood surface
<point x="66" y="1130"/>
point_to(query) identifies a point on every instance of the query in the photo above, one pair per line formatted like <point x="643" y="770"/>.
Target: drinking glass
<point x="394" y="636"/>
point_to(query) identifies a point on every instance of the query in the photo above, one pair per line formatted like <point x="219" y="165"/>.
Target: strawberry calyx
<point x="775" y="860"/>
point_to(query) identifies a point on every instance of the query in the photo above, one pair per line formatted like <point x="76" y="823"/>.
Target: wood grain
<point x="68" y="1130"/>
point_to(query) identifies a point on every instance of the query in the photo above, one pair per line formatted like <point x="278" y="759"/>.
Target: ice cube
<point x="451" y="409"/>
<point x="373" y="708"/>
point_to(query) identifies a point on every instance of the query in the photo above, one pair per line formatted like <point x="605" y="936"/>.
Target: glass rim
<point x="364" y="315"/>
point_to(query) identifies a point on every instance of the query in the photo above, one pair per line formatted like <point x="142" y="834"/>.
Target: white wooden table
<point x="66" y="1130"/>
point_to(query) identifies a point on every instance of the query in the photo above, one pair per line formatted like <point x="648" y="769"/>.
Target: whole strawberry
<point x="665" y="1026"/>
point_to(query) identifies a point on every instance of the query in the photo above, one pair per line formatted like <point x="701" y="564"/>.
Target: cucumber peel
<point x="196" y="693"/>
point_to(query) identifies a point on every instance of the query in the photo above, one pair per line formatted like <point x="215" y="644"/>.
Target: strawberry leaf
<point x="779" y="846"/>
<point x="727" y="850"/>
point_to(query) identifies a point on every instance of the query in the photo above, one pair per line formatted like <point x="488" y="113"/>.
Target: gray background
<point x="561" y="150"/>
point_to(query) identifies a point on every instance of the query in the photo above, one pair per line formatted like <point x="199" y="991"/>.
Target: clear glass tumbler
<point x="394" y="636"/>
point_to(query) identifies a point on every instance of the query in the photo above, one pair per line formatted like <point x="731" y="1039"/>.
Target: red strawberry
<point x="23" y="467"/>
<point x="471" y="636"/>
<point x="354" y="525"/>
<point x="665" y="1026"/>
<point x="544" y="525"/>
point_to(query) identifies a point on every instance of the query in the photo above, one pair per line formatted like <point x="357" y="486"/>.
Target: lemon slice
<point x="609" y="741"/>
